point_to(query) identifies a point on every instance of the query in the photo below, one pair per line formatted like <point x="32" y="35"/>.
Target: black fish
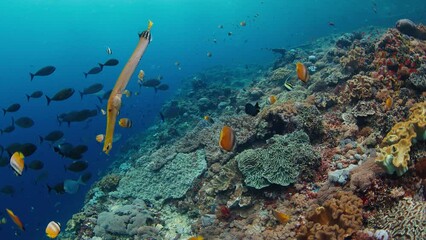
<point x="105" y="96"/>
<point x="4" y="161"/>
<point x="27" y="149"/>
<point x="43" y="72"/>
<point x="110" y="62"/>
<point x="77" y="166"/>
<point x="61" y="95"/>
<point x="52" y="136"/>
<point x="24" y="122"/>
<point x="76" y="116"/>
<point x="8" y="129"/>
<point x="162" y="116"/>
<point x="63" y="149"/>
<point x="12" y="108"/>
<point x="58" y="188"/>
<point x="36" y="94"/>
<point x="36" y="165"/>
<point x="252" y="110"/>
<point x="8" y="190"/>
<point x="92" y="89"/>
<point x="94" y="70"/>
<point x="162" y="87"/>
<point x="151" y="83"/>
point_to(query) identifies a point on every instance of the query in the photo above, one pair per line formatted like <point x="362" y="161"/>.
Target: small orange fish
<point x="302" y="72"/>
<point x="141" y="75"/>
<point x="100" y="138"/>
<point x="281" y="217"/>
<point x="15" y="219"/>
<point x="17" y="163"/>
<point x="243" y="23"/>
<point x="388" y="103"/>
<point x="196" y="238"/>
<point x="53" y="229"/>
<point x="125" y="123"/>
<point x="272" y="99"/>
<point x="227" y="139"/>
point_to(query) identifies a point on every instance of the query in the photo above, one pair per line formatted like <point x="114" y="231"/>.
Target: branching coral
<point x="394" y="155"/>
<point x="338" y="218"/>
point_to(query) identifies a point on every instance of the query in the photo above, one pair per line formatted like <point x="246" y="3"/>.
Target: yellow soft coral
<point x="394" y="156"/>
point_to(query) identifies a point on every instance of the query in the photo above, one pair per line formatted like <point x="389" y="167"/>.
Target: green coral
<point x="280" y="163"/>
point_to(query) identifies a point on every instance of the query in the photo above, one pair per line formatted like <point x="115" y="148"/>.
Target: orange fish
<point x="281" y="217"/>
<point x="17" y="163"/>
<point x="100" y="138"/>
<point x="15" y="219"/>
<point x="125" y="123"/>
<point x="272" y="99"/>
<point x="227" y="139"/>
<point x="388" y="103"/>
<point x="53" y="229"/>
<point x="196" y="238"/>
<point x="141" y="75"/>
<point x="302" y="72"/>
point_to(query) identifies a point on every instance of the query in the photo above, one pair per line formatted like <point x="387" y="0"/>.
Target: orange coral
<point x="338" y="218"/>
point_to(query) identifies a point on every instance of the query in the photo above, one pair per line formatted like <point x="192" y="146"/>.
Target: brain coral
<point x="338" y="218"/>
<point x="171" y="181"/>
<point x="394" y="156"/>
<point x="280" y="162"/>
<point x="406" y="220"/>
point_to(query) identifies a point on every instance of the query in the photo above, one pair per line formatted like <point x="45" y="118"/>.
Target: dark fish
<point x="94" y="70"/>
<point x="9" y="129"/>
<point x="86" y="177"/>
<point x="162" y="116"/>
<point x="8" y="190"/>
<point x="63" y="149"/>
<point x="24" y="122"/>
<point x="43" y="72"/>
<point x="12" y="108"/>
<point x="36" y="94"/>
<point x="252" y="110"/>
<point x="36" y="165"/>
<point x="76" y="116"/>
<point x="4" y="161"/>
<point x="77" y="166"/>
<point x="52" y="136"/>
<point x="92" y="89"/>
<point x="105" y="96"/>
<point x="61" y="95"/>
<point x="58" y="188"/>
<point x="80" y="149"/>
<point x="27" y="148"/>
<point x="151" y="83"/>
<point x="162" y="87"/>
<point x="110" y="62"/>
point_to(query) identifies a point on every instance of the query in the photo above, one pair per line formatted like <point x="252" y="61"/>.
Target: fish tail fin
<point x="41" y="139"/>
<point x="81" y="95"/>
<point x="32" y="76"/>
<point x="85" y="75"/>
<point x="49" y="188"/>
<point x="4" y="112"/>
<point x="48" y="100"/>
<point x="80" y="181"/>
<point x="28" y="97"/>
<point x="101" y="66"/>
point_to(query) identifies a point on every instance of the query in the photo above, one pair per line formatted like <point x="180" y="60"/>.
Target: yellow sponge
<point x="394" y="156"/>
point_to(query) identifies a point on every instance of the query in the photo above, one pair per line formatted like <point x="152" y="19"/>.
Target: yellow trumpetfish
<point x="114" y="101"/>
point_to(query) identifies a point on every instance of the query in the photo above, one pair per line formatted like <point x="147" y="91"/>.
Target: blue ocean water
<point x="72" y="35"/>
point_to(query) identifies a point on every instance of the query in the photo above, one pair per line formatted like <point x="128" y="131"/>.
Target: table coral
<point x="338" y="218"/>
<point x="394" y="155"/>
<point x="281" y="162"/>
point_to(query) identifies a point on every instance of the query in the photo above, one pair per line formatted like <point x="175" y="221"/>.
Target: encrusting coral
<point x="338" y="218"/>
<point x="394" y="156"/>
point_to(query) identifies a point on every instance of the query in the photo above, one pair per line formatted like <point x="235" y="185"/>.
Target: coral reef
<point x="284" y="160"/>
